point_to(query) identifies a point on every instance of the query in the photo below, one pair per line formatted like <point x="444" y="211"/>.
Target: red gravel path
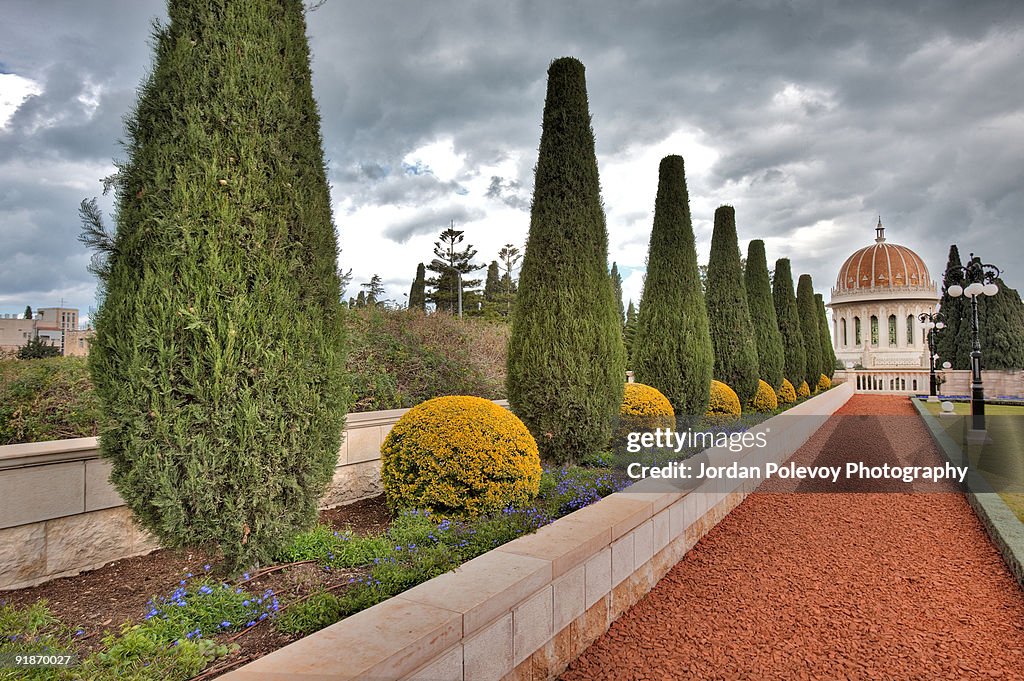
<point x="855" y="585"/>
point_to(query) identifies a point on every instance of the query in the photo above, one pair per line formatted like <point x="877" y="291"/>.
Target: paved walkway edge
<point x="1002" y="524"/>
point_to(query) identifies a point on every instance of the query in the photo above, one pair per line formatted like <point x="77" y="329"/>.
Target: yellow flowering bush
<point x="787" y="393"/>
<point x="765" y="399"/>
<point x="803" y="391"/>
<point x="724" y="405"/>
<point x="644" y="408"/>
<point x="459" y="456"/>
<point x="824" y="382"/>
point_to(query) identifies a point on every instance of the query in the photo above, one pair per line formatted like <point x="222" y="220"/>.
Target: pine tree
<point x="828" y="353"/>
<point x="361" y="299"/>
<point x="952" y="309"/>
<point x="672" y="345"/>
<point x="218" y="355"/>
<point x="374" y="291"/>
<point x="808" y="312"/>
<point x="628" y="333"/>
<point x="732" y="333"/>
<point x="510" y="256"/>
<point x="28" y="312"/>
<point x="566" y="361"/>
<point x="770" y="357"/>
<point x="795" y="365"/>
<point x="417" y="294"/>
<point x="617" y="290"/>
<point x="450" y="263"/>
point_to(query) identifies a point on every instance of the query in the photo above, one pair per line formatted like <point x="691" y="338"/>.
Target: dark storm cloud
<point x="821" y="113"/>
<point x="509" y="192"/>
<point x="430" y="221"/>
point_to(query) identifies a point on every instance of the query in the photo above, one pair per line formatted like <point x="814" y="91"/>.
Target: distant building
<point x="57" y="326"/>
<point x="879" y="293"/>
<point x="76" y="343"/>
<point x="15" y="332"/>
<point x="55" y="322"/>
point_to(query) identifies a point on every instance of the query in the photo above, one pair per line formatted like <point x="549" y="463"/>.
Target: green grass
<point x="1000" y="461"/>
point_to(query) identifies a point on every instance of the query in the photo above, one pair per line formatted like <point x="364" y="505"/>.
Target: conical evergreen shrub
<point x="952" y="310"/>
<point x="732" y="334"/>
<point x="566" y="360"/>
<point x="809" y="327"/>
<point x="795" y="365"/>
<point x="218" y="356"/>
<point x="828" y="353"/>
<point x="628" y="333"/>
<point x="672" y="345"/>
<point x="418" y="293"/>
<point x="617" y="292"/>
<point x="770" y="358"/>
<point x="1001" y="322"/>
<point x="492" y="284"/>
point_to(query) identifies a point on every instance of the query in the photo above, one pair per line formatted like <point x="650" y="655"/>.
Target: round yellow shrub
<point x="459" y="456"/>
<point x="803" y="391"/>
<point x="824" y="382"/>
<point x="724" y="405"/>
<point x="765" y="399"/>
<point x="786" y="394"/>
<point x="644" y="408"/>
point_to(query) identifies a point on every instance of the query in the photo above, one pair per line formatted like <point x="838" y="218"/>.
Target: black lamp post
<point x="976" y="279"/>
<point x="932" y="322"/>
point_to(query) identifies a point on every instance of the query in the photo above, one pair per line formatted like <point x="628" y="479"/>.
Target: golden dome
<point x="882" y="267"/>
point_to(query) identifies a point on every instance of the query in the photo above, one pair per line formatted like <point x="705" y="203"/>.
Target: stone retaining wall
<point x="60" y="516"/>
<point x="528" y="608"/>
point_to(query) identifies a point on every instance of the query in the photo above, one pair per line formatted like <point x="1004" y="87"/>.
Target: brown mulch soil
<point x="101" y="600"/>
<point x="828" y="585"/>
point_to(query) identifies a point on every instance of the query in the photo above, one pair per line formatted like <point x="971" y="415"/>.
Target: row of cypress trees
<point x="566" y="351"/>
<point x="219" y="350"/>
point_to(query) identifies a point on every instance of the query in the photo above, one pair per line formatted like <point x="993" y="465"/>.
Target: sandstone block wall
<point x="59" y="515"/>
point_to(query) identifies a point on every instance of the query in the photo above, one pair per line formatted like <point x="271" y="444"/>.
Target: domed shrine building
<point x="879" y="293"/>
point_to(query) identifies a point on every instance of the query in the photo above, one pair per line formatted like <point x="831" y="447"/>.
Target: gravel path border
<point x="827" y="585"/>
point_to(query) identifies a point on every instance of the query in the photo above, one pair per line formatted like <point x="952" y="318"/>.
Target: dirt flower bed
<point x="174" y="615"/>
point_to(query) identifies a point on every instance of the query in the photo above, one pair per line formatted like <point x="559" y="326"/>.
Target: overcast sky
<point x="811" y="118"/>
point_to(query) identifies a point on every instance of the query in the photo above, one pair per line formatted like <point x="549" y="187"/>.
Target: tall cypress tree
<point x="795" y="366"/>
<point x="828" y="353"/>
<point x="629" y="332"/>
<point x="617" y="290"/>
<point x="418" y="293"/>
<point x="566" y="360"/>
<point x="218" y="356"/>
<point x="952" y="310"/>
<point x="732" y="334"/>
<point x="808" y="312"/>
<point x="672" y="345"/>
<point x="492" y="284"/>
<point x="770" y="358"/>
